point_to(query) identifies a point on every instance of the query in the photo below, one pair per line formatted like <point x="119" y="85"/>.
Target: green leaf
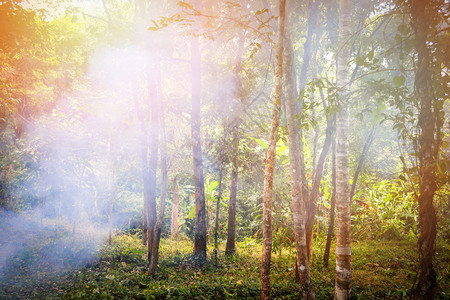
<point x="191" y="214"/>
<point x="260" y="142"/>
<point x="281" y="150"/>
<point x="370" y="55"/>
<point x="399" y="80"/>
<point x="359" y="60"/>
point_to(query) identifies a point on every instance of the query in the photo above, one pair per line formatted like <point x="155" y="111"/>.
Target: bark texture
<point x="231" y="237"/>
<point x="235" y="125"/>
<point x="200" y="206"/>
<point x="153" y="163"/>
<point x="330" y="232"/>
<point x="314" y="193"/>
<point x="162" y="201"/>
<point x="343" y="284"/>
<point x="216" y="226"/>
<point x="307" y="55"/>
<point x="298" y="203"/>
<point x="421" y="11"/>
<point x="270" y="159"/>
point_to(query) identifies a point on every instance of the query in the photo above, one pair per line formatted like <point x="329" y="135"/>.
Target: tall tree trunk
<point x="175" y="206"/>
<point x="314" y="193"/>
<point x="146" y="179"/>
<point x="330" y="233"/>
<point x="307" y="54"/>
<point x="421" y="15"/>
<point x="270" y="159"/>
<point x="200" y="206"/>
<point x="152" y="163"/>
<point x="343" y="285"/>
<point x="364" y="152"/>
<point x="162" y="204"/>
<point x="235" y="124"/>
<point x="216" y="227"/>
<point x="298" y="203"/>
<point x="231" y="237"/>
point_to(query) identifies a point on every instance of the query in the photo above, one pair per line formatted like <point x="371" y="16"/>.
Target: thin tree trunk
<point x="145" y="177"/>
<point x="316" y="129"/>
<point x="364" y="152"/>
<point x="298" y="202"/>
<point x="427" y="284"/>
<point x="231" y="237"/>
<point x="314" y="193"/>
<point x="216" y="229"/>
<point x="152" y="164"/>
<point x="343" y="285"/>
<point x="162" y="204"/>
<point x="175" y="206"/>
<point x="307" y="54"/>
<point x="330" y="233"/>
<point x="235" y="124"/>
<point x="270" y="159"/>
<point x="200" y="205"/>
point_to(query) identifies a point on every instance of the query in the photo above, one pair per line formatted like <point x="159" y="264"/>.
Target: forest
<point x="213" y="149"/>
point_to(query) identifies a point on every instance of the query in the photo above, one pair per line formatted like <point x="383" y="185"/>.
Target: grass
<point x="381" y="270"/>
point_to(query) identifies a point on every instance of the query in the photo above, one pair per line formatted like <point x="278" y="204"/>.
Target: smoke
<point x="82" y="163"/>
<point x="28" y="248"/>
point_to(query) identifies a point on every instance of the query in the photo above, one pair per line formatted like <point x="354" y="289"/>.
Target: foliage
<point x="74" y="85"/>
<point x="385" y="209"/>
<point x="384" y="268"/>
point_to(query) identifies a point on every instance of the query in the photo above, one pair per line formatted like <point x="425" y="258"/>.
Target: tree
<point x="343" y="284"/>
<point x="152" y="166"/>
<point x="421" y="13"/>
<point x="362" y="157"/>
<point x="330" y="231"/>
<point x="199" y="182"/>
<point x="270" y="158"/>
<point x="162" y="204"/>
<point x="216" y="225"/>
<point x="235" y="125"/>
<point x="231" y="236"/>
<point x="310" y="198"/>
<point x="298" y="202"/>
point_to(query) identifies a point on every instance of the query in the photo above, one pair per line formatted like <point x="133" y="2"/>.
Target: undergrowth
<point x="381" y="270"/>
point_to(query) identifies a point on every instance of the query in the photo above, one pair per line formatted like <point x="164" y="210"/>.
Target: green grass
<point x="381" y="270"/>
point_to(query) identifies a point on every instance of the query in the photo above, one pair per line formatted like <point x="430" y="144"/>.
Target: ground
<point x="52" y="264"/>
